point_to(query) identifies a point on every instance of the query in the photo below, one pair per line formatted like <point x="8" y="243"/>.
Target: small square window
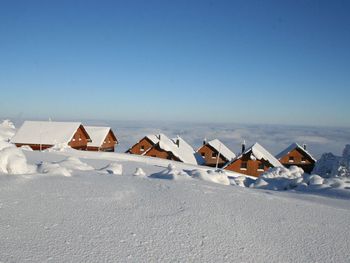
<point x="203" y="154"/>
<point x="261" y="167"/>
<point x="244" y="165"/>
<point x="303" y="159"/>
<point x="142" y="148"/>
<point x="214" y="155"/>
<point x="291" y="159"/>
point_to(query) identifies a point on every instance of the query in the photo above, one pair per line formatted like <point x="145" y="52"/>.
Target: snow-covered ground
<point x="73" y="206"/>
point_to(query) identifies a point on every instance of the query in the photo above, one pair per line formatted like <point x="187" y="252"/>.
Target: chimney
<point x="178" y="142"/>
<point x="304" y="146"/>
<point x="205" y="141"/>
<point x="243" y="146"/>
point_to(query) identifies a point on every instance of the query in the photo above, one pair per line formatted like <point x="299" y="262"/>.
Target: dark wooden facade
<point x="210" y="155"/>
<point x="157" y="152"/>
<point x="79" y="141"/>
<point x="144" y="145"/>
<point x="298" y="158"/>
<point x="108" y="144"/>
<point x="245" y="165"/>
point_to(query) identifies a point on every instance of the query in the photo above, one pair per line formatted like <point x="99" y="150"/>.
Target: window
<point x="203" y="154"/>
<point x="244" y="165"/>
<point x="214" y="155"/>
<point x="261" y="167"/>
<point x="291" y="159"/>
<point x="303" y="159"/>
<point x="142" y="148"/>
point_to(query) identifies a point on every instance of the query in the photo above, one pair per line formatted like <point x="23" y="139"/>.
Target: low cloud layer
<point x="273" y="137"/>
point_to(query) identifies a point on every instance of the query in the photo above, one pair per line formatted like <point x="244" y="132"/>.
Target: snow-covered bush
<point x="7" y="130"/>
<point x="218" y="176"/>
<point x="282" y="172"/>
<point x="330" y="165"/>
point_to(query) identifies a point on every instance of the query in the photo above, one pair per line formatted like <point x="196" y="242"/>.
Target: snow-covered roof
<point x="260" y="153"/>
<point x="220" y="147"/>
<point x="46" y="132"/>
<point x="291" y="148"/>
<point x="183" y="151"/>
<point x="97" y="135"/>
<point x="153" y="138"/>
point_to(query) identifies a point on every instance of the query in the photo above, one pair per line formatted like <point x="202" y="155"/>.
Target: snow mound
<point x="26" y="148"/>
<point x="315" y="180"/>
<point x="171" y="173"/>
<point x="218" y="176"/>
<point x="7" y="130"/>
<point x="113" y="168"/>
<point x="139" y="172"/>
<point x="282" y="172"/>
<point x="13" y="161"/>
<point x="53" y="168"/>
<point x="59" y="147"/>
<point x="74" y="163"/>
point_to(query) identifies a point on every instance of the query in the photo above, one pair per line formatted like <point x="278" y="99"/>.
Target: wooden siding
<point x="159" y="153"/>
<point x="307" y="165"/>
<point x="252" y="166"/>
<point x="79" y="140"/>
<point x="137" y="148"/>
<point x="206" y="151"/>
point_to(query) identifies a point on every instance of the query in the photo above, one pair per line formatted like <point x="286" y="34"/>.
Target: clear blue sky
<point x="285" y="62"/>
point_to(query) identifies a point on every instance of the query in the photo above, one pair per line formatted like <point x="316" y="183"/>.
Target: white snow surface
<point x="7" y="130"/>
<point x="46" y="132"/>
<point x="97" y="135"/>
<point x="220" y="147"/>
<point x="88" y="217"/>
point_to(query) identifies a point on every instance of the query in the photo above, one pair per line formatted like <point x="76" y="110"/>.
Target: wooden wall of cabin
<point x="252" y="166"/>
<point x="206" y="151"/>
<point x="159" y="153"/>
<point x="300" y="159"/>
<point x="35" y="147"/>
<point x="79" y="140"/>
<point x="141" y="147"/>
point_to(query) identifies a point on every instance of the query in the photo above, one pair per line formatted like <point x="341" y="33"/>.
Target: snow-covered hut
<point x="215" y="152"/>
<point x="297" y="155"/>
<point x="40" y="135"/>
<point x="102" y="139"/>
<point x="253" y="161"/>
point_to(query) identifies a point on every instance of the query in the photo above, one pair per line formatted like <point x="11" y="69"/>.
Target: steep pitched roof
<point x="47" y="132"/>
<point x="220" y="147"/>
<point x="291" y="148"/>
<point x="260" y="153"/>
<point x="183" y="151"/>
<point x="98" y="135"/>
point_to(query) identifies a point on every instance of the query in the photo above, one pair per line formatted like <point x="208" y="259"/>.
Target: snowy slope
<point x="92" y="216"/>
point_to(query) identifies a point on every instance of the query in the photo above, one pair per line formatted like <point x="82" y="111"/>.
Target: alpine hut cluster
<point x="252" y="161"/>
<point x="41" y="135"/>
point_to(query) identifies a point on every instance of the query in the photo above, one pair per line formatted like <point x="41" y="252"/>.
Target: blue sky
<point x="282" y="62"/>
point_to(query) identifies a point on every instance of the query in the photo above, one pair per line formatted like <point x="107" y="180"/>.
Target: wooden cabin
<point x="144" y="145"/>
<point x="297" y="155"/>
<point x="253" y="161"/>
<point x="214" y="153"/>
<point x="102" y="139"/>
<point x="40" y="135"/>
<point x="160" y="146"/>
